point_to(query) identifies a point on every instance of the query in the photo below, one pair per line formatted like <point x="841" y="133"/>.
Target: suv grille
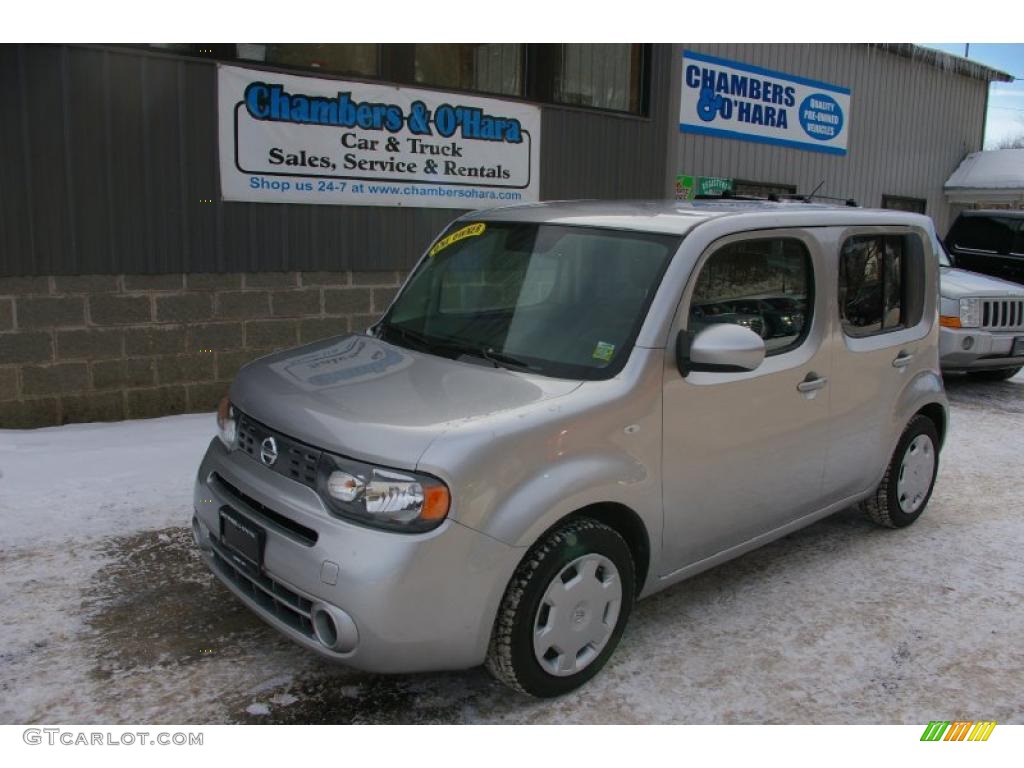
<point x="294" y="459"/>
<point x="1002" y="314"/>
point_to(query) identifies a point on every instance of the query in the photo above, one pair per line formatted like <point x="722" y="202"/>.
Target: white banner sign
<point x="741" y="101"/>
<point x="291" y="139"/>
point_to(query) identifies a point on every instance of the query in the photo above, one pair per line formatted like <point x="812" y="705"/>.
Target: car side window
<point x="766" y="285"/>
<point x="872" y="286"/>
<point x="985" y="234"/>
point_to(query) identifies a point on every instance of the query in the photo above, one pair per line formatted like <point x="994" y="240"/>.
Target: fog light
<point x="968" y="342"/>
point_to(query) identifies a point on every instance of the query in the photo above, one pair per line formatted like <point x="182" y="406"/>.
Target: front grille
<point x="273" y="597"/>
<point x="1002" y="314"/>
<point x="294" y="459"/>
<point x="267" y="516"/>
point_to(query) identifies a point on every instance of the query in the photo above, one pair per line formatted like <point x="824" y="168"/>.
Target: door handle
<point x="902" y="360"/>
<point x="812" y="383"/>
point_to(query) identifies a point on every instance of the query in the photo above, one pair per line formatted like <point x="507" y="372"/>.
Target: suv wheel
<point x="564" y="610"/>
<point x="1000" y="374"/>
<point x="907" y="485"/>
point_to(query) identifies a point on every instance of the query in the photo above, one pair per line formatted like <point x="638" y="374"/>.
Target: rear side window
<point x="880" y="283"/>
<point x="990" y="234"/>
<point x="766" y="285"/>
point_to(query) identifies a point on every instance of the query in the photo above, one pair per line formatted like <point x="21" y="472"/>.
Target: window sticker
<point x="604" y="351"/>
<point x="461" y="234"/>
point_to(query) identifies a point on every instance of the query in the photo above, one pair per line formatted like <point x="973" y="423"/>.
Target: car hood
<point x="959" y="283"/>
<point x="365" y="398"/>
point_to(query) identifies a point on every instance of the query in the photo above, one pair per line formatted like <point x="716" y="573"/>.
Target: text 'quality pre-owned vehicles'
<point x="557" y="417"/>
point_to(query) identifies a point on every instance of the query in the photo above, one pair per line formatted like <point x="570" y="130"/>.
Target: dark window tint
<point x="984" y="233"/>
<point x="871" y="284"/>
<point x="602" y="76"/>
<point x="765" y="285"/>
<point x="898" y="203"/>
<point x="761" y="188"/>
<point x="338" y="58"/>
<point x="482" y="67"/>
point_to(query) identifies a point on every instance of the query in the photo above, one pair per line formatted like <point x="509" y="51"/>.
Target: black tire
<point x="883" y="507"/>
<point x="999" y="374"/>
<point x="510" y="657"/>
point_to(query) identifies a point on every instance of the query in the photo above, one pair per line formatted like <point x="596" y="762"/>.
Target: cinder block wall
<point x="110" y="347"/>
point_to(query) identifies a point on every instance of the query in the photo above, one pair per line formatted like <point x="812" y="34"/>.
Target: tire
<point x="896" y="505"/>
<point x="999" y="374"/>
<point x="599" y="556"/>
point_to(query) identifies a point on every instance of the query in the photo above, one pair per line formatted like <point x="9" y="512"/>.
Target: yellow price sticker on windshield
<point x="461" y="234"/>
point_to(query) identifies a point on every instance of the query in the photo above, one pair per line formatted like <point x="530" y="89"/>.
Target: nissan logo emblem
<point x="268" y="451"/>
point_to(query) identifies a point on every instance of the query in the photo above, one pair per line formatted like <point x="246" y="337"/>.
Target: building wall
<point x="109" y="347"/>
<point x="125" y="294"/>
<point x="108" y="157"/>
<point x="911" y="124"/>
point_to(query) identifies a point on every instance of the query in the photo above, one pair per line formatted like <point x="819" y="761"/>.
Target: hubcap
<point x="916" y="473"/>
<point x="577" y="615"/>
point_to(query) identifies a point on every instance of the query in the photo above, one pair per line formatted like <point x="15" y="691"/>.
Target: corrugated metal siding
<point x="910" y="126"/>
<point x="105" y="155"/>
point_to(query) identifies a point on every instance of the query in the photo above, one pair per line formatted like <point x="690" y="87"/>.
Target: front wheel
<point x="907" y="484"/>
<point x="564" y="610"/>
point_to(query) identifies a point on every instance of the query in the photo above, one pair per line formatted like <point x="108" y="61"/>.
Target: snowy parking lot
<point x="108" y="615"/>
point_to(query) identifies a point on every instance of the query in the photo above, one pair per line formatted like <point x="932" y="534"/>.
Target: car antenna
<point x="810" y="197"/>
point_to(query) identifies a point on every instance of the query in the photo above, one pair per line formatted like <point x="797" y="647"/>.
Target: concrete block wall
<point x="108" y="347"/>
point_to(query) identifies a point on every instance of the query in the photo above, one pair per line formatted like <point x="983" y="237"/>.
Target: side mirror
<point x="719" y="348"/>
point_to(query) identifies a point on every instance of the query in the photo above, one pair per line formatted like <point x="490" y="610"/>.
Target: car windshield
<point x="561" y="301"/>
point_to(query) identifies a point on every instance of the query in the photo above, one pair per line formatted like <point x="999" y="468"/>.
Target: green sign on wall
<point x="688" y="187"/>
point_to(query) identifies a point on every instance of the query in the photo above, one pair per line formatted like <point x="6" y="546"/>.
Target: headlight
<point x="227" y="427"/>
<point x="970" y="313"/>
<point x="384" y="498"/>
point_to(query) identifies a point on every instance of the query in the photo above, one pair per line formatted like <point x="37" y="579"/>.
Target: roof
<point x="995" y="174"/>
<point x="945" y="61"/>
<point x="679" y="217"/>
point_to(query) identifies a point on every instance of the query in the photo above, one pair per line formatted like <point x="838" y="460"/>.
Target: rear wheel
<point x="907" y="485"/>
<point x="999" y="374"/>
<point x="564" y="610"/>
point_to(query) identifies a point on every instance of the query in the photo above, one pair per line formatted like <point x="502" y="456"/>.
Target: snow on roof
<point x="992" y="169"/>
<point x="945" y="61"/>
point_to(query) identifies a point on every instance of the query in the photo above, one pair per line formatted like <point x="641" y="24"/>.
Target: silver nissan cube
<point x="567" y="408"/>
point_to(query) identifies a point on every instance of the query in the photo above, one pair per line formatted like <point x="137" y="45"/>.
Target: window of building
<point x="761" y="188"/>
<point x="483" y="67"/>
<point x="605" y="76"/>
<point x="871" y="284"/>
<point x="765" y="285"/>
<point x="910" y="204"/>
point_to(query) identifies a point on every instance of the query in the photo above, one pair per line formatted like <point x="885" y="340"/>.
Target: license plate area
<point x="243" y="539"/>
<point x="1018" y="347"/>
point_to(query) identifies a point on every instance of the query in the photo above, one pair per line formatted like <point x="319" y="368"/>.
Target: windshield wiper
<point x="486" y="352"/>
<point x="502" y="359"/>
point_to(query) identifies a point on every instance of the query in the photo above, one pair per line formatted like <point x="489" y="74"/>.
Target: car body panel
<point x="711" y="465"/>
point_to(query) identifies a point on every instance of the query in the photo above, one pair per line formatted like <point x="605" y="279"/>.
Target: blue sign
<point x="741" y="101"/>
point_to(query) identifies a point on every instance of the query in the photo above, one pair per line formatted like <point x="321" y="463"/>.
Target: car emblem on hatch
<point x="268" y="451"/>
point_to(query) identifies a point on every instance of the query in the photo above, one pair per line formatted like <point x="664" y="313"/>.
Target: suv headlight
<point x="381" y="497"/>
<point x="227" y="425"/>
<point x="970" y="313"/>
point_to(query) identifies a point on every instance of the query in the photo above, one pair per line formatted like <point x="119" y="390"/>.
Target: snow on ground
<point x="107" y="615"/>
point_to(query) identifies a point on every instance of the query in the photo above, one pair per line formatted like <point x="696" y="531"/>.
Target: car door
<point x="744" y="452"/>
<point x="881" y="344"/>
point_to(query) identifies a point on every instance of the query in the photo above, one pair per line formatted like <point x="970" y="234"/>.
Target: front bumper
<point x="402" y="602"/>
<point x="988" y="350"/>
